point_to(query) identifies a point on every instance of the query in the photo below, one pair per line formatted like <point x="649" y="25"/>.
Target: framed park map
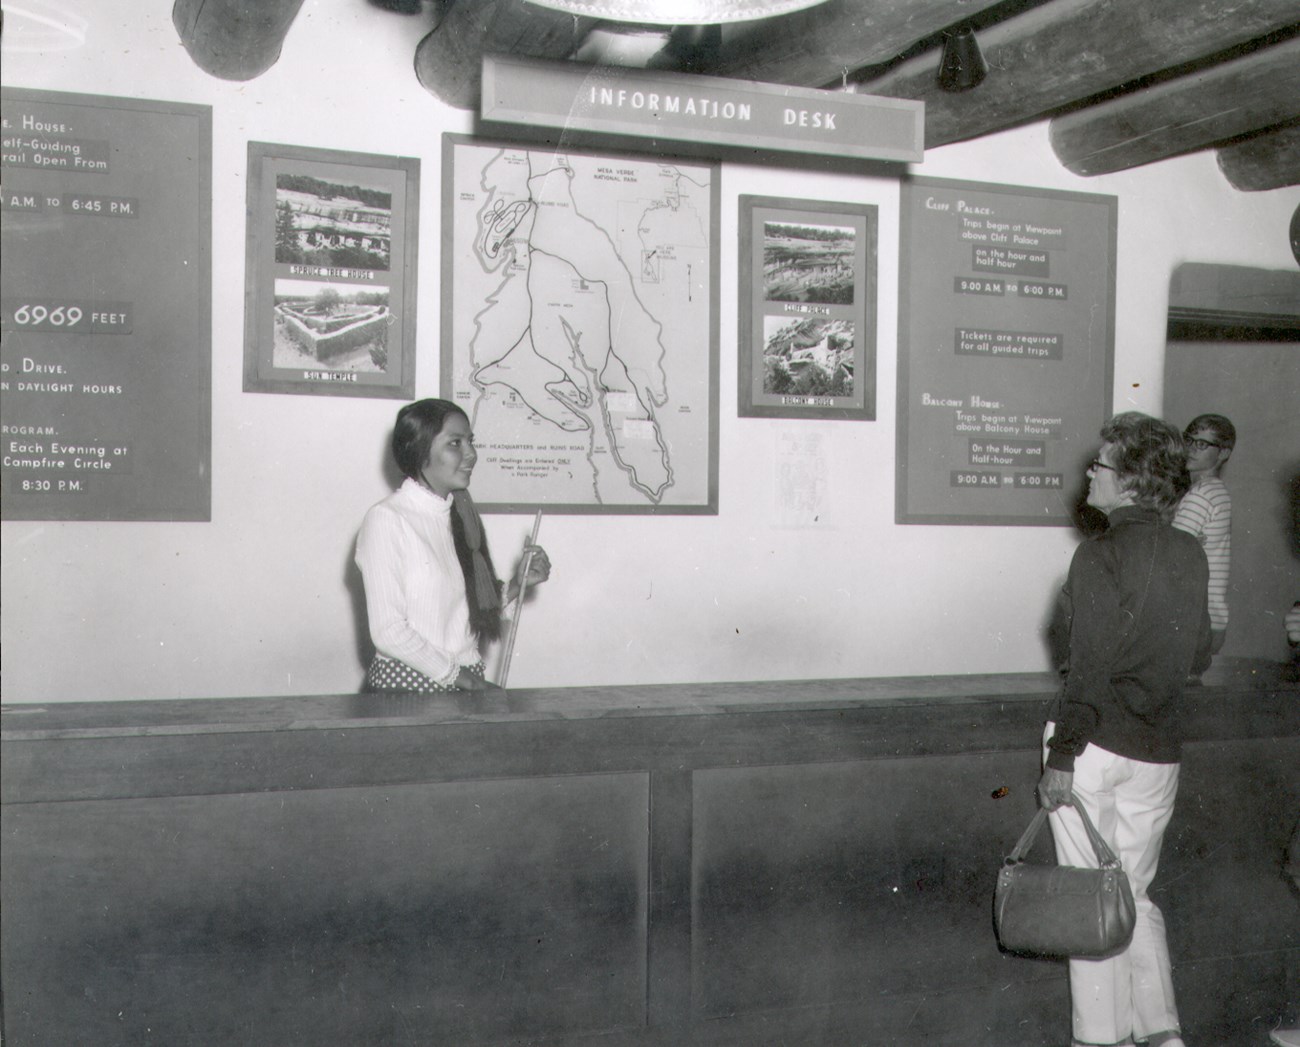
<point x="579" y="326"/>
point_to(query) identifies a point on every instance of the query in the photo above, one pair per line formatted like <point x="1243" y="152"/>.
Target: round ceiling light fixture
<point x="42" y="25"/>
<point x="678" y="12"/>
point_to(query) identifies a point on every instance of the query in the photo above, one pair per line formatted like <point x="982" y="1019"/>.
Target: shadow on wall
<point x="1292" y="502"/>
<point x="1291" y="498"/>
<point x="352" y="580"/>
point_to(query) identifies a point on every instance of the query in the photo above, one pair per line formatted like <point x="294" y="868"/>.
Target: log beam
<point x="1266" y="161"/>
<point x="1242" y="295"/>
<point x="234" y="39"/>
<point x="449" y="61"/>
<point x="808" y="48"/>
<point x="1258" y="90"/>
<point x="1067" y="50"/>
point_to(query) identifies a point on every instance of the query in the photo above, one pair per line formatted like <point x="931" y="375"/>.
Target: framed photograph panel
<point x="807" y="309"/>
<point x="330" y="303"/>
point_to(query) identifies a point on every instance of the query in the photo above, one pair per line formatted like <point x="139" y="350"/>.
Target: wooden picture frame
<point x="331" y="272"/>
<point x="807" y="295"/>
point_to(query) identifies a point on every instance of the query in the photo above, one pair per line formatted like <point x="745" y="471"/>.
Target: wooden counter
<point x="794" y="862"/>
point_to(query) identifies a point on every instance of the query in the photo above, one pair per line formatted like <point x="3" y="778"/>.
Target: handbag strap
<point x="1105" y="856"/>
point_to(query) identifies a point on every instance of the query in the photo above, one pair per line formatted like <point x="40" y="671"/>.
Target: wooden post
<point x="810" y="48"/>
<point x="1189" y="112"/>
<point x="234" y="39"/>
<point x="509" y="650"/>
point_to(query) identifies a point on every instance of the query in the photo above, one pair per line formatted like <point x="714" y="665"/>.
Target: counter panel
<point x="808" y="862"/>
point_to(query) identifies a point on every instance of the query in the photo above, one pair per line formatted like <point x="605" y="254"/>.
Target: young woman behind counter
<point x="432" y="595"/>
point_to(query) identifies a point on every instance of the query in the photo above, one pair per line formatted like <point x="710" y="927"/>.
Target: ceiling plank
<point x="815" y="47"/>
<point x="1258" y="90"/>
<point x="1265" y="161"/>
<point x="449" y="60"/>
<point x="1068" y="50"/>
<point x="234" y="39"/>
<point x="1207" y="299"/>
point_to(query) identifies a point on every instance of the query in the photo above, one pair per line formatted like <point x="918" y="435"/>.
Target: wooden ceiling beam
<point x="1270" y="160"/>
<point x="1068" y="50"/>
<point x="234" y="39"/>
<point x="1260" y="89"/>
<point x="449" y="61"/>
<point x="814" y="47"/>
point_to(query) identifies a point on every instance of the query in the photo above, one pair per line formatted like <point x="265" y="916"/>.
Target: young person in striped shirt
<point x="1206" y="509"/>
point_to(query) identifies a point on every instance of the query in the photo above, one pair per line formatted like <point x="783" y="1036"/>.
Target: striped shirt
<point x="1206" y="512"/>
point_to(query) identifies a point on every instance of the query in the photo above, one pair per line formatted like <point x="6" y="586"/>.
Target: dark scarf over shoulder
<point x="482" y="589"/>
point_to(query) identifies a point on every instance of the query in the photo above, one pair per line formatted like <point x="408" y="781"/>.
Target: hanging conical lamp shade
<point x="963" y="65"/>
<point x="677" y="12"/>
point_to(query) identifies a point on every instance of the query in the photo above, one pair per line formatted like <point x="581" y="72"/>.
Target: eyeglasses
<point x="1097" y="463"/>
<point x="1195" y="443"/>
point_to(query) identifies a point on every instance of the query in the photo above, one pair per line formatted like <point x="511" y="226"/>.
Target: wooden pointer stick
<point x="519" y="603"/>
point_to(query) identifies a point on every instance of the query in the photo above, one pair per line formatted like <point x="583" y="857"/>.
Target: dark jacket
<point x="1137" y="626"/>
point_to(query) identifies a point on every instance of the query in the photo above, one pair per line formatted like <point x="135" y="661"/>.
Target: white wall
<point x="261" y="600"/>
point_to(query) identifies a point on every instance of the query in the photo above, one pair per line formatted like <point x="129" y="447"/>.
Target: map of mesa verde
<point x="579" y="327"/>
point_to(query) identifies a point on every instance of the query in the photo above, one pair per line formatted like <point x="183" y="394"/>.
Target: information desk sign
<point x="1006" y="350"/>
<point x="105" y="343"/>
<point x="714" y="111"/>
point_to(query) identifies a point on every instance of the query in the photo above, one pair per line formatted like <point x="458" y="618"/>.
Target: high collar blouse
<point x="415" y="589"/>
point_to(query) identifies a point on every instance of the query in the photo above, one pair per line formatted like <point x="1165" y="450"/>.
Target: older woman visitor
<point x="1137" y="626"/>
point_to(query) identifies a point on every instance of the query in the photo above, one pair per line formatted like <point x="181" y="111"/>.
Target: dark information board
<point x="105" y="318"/>
<point x="1006" y="350"/>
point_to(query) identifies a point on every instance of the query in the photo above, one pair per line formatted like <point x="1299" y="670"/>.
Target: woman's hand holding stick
<point x="536" y="567"/>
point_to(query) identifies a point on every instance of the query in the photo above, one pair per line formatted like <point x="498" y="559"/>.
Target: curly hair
<point x="1150" y="460"/>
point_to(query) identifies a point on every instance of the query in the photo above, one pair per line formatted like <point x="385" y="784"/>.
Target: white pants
<point x="1130" y="802"/>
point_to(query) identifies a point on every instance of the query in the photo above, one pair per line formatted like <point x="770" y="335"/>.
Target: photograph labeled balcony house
<point x="656" y="523"/>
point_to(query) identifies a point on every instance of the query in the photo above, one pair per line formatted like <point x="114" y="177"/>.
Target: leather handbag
<point x="1059" y="910"/>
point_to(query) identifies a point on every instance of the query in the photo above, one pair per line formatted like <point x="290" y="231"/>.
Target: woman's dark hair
<point x="1150" y="460"/>
<point x="417" y="424"/>
<point x="413" y="434"/>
